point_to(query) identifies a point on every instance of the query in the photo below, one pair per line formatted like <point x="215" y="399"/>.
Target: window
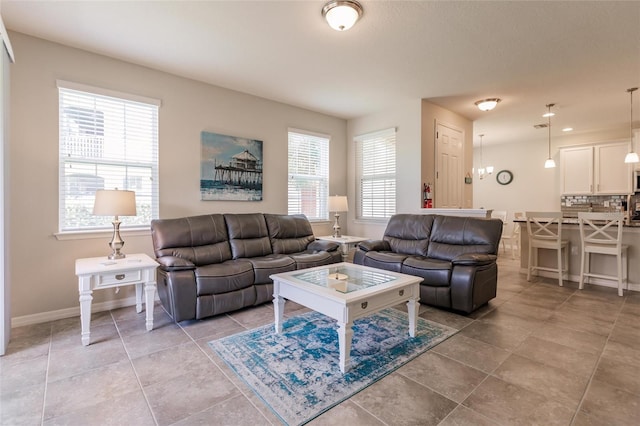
<point x="108" y="140"/>
<point x="376" y="174"/>
<point x="308" y="174"/>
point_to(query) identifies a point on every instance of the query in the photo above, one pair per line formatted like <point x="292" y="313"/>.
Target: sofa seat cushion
<point x="434" y="272"/>
<point x="265" y="266"/>
<point x="309" y="260"/>
<point x="224" y="277"/>
<point x="385" y="260"/>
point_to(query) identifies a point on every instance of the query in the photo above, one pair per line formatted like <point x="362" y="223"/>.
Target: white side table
<point x="347" y="243"/>
<point x="100" y="272"/>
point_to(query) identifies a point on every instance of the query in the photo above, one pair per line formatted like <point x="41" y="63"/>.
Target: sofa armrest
<point x="374" y="245"/>
<point x="323" y="245"/>
<point x="173" y="263"/>
<point x="474" y="259"/>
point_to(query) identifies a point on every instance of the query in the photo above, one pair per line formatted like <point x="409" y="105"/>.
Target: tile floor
<point x="537" y="354"/>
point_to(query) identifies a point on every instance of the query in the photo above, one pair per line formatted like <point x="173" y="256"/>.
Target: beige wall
<point x="431" y="114"/>
<point x="534" y="188"/>
<point x="42" y="267"/>
<point x="406" y="119"/>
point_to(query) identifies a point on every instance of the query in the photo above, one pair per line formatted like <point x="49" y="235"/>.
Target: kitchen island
<point x="600" y="263"/>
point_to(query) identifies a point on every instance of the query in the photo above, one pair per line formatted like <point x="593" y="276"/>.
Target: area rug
<point x="296" y="373"/>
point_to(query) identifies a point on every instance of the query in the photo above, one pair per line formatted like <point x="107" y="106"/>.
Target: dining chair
<point x="544" y="230"/>
<point x="511" y="235"/>
<point x="601" y="233"/>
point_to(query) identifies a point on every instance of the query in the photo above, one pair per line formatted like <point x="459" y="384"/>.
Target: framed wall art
<point x="230" y="168"/>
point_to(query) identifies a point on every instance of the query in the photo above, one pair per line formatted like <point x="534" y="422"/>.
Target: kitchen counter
<point x="602" y="263"/>
<point x="458" y="212"/>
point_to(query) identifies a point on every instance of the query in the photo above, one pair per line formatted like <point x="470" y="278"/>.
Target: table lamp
<point x="112" y="202"/>
<point x="338" y="203"/>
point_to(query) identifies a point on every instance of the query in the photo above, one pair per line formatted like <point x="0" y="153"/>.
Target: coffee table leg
<point x="345" y="334"/>
<point x="278" y="306"/>
<point x="412" y="310"/>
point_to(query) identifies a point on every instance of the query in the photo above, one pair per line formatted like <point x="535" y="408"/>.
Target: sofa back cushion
<point x="289" y="233"/>
<point x="201" y="240"/>
<point x="452" y="236"/>
<point x="248" y="235"/>
<point x="409" y="233"/>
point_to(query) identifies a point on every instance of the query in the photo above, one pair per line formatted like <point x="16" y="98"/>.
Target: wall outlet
<point x="606" y="203"/>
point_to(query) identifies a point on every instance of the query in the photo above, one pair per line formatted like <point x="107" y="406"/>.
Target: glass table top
<point x="345" y="279"/>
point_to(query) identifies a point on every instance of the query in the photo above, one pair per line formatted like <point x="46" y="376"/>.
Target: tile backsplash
<point x="572" y="204"/>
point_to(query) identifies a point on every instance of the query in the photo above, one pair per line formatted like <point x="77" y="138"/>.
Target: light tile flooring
<point x="537" y="354"/>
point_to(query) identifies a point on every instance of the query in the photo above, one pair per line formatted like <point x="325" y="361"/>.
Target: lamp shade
<point x="342" y="14"/>
<point x="338" y="203"/>
<point x="113" y="202"/>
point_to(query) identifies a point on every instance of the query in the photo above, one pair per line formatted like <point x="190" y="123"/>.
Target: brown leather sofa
<point x="218" y="263"/>
<point x="455" y="256"/>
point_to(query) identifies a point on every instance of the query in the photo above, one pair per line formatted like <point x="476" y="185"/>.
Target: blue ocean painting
<point x="230" y="168"/>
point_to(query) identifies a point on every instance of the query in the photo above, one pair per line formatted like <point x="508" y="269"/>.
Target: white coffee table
<point x="358" y="291"/>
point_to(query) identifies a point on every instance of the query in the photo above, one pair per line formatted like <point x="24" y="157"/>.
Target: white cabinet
<point x="596" y="169"/>
<point x="576" y="170"/>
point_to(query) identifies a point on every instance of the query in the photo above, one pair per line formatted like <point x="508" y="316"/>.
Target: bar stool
<point x="540" y="229"/>
<point x="601" y="233"/>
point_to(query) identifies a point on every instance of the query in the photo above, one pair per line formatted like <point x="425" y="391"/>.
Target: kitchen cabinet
<point x="595" y="169"/>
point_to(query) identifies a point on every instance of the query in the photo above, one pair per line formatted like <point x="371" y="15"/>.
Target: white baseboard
<point x="71" y="312"/>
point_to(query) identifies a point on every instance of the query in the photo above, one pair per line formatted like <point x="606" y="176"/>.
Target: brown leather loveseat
<point x="455" y="256"/>
<point x="218" y="263"/>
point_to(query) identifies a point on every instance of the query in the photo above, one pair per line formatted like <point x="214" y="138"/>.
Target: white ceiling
<point x="582" y="56"/>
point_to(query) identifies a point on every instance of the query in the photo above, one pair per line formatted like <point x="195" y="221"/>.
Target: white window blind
<point x="308" y="174"/>
<point x="376" y="174"/>
<point x="107" y="141"/>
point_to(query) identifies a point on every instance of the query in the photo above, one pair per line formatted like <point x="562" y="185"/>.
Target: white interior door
<point x="449" y="167"/>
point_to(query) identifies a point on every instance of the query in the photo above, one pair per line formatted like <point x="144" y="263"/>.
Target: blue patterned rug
<point x="296" y="373"/>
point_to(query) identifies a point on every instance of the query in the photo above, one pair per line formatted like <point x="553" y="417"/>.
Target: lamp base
<point x="116" y="242"/>
<point x="336" y="227"/>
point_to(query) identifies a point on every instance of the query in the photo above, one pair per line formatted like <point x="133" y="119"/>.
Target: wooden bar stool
<point x="543" y="235"/>
<point x="601" y="233"/>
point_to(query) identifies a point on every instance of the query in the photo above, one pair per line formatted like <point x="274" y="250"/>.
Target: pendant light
<point x="632" y="156"/>
<point x="549" y="164"/>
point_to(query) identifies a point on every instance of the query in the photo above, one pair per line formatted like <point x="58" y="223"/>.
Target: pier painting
<point x="230" y="168"/>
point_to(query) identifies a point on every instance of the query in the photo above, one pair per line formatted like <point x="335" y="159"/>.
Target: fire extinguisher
<point x="427" y="196"/>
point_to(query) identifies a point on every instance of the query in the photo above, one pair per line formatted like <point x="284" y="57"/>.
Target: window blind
<point x="106" y="142"/>
<point x="376" y="174"/>
<point x="308" y="183"/>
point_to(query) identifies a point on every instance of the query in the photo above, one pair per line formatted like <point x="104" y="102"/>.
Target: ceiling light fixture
<point x="487" y="104"/>
<point x="549" y="164"/>
<point x="632" y="156"/>
<point x="342" y="14"/>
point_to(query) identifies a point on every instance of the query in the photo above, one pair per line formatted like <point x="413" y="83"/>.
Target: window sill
<point x="87" y="235"/>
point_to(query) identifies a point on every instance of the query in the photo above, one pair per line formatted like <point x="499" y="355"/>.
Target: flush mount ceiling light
<point x="549" y="164"/>
<point x="342" y="14"/>
<point x="631" y="157"/>
<point x="487" y="104"/>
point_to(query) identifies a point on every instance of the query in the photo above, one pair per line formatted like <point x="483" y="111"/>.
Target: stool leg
<point x="560" y="273"/>
<point x="581" y="283"/>
<point x="619" y="262"/>
<point x="529" y="266"/>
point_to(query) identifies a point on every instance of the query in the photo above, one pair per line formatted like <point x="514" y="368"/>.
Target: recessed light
<point x="567" y="129"/>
